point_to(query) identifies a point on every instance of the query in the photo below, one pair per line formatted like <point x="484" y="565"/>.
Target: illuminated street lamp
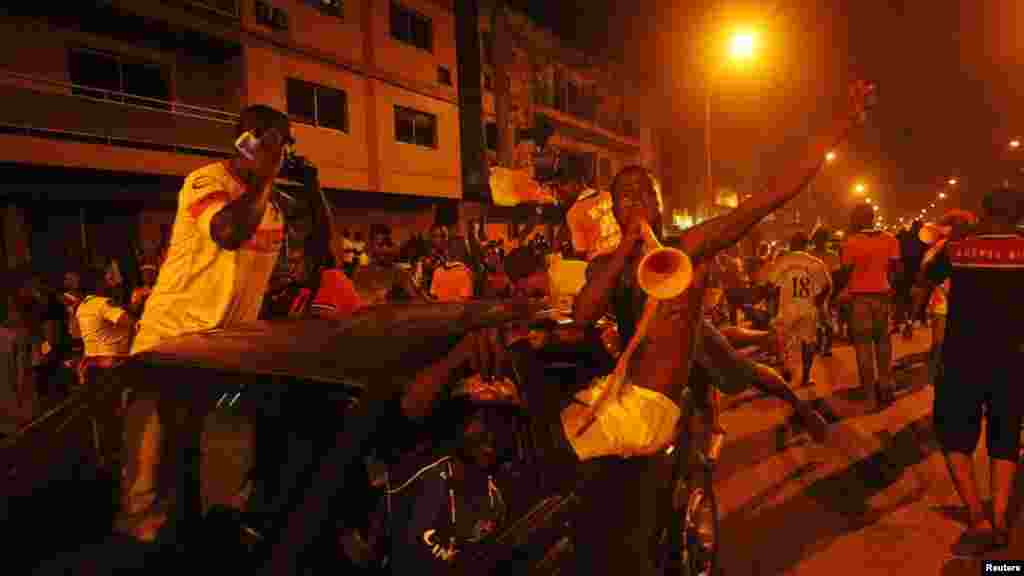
<point x="868" y="200"/>
<point x="830" y="157"/>
<point x="742" y="45"/>
<point x="860" y="188"/>
<point x="875" y="207"/>
<point x="952" y="181"/>
<point x="1014" y="143"/>
<point x="742" y="48"/>
<point x="942" y="195"/>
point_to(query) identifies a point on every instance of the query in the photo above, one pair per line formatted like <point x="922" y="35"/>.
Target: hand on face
<point x="269" y="156"/>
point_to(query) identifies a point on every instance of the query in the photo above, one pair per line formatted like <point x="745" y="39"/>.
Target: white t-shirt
<point x="98" y="318"/>
<point x="801" y="277"/>
<point x="202" y="286"/>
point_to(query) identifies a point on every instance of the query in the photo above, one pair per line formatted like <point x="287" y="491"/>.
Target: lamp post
<point x="742" y="46"/>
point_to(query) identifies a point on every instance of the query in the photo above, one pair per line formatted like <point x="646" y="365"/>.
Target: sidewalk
<point x="876" y="499"/>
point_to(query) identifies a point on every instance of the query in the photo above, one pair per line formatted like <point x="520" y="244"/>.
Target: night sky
<point x="949" y="74"/>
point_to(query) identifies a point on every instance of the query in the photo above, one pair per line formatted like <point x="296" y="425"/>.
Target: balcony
<point x="583" y="110"/>
<point x="223" y="7"/>
<point x="64" y="111"/>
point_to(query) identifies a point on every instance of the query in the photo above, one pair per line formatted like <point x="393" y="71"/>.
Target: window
<point x="411" y="27"/>
<point x="317" y="105"/>
<point x="114" y="73"/>
<point x="487" y="45"/>
<point x="332" y="7"/>
<point x="444" y="75"/>
<point x="491" y="136"/>
<point x="488" y="82"/>
<point x="271" y="16"/>
<point x="605" y="171"/>
<point x="415" y="127"/>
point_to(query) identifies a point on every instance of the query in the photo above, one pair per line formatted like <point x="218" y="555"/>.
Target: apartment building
<point x="594" y="114"/>
<point x="110" y="103"/>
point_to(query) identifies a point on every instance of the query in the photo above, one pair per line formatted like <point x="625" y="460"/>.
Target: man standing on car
<point x="227" y="235"/>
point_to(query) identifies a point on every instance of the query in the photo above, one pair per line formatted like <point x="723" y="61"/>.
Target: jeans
<point x="869" y="329"/>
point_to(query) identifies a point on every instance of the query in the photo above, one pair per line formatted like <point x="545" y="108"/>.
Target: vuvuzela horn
<point x="663" y="274"/>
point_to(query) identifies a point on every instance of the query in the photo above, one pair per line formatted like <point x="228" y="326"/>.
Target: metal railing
<point x="51" y="108"/>
<point x="222" y="7"/>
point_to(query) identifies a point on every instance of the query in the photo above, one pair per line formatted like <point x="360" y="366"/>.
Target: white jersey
<point x="101" y="335"/>
<point x="202" y="286"/>
<point x="800" y="278"/>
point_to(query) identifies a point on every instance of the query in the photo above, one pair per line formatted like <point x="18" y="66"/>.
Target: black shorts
<point x="970" y="387"/>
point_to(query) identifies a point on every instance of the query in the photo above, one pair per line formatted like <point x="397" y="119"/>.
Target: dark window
<point x="146" y="80"/>
<point x="605" y="171"/>
<point x="113" y="73"/>
<point x="332" y="7"/>
<point x="487" y="44"/>
<point x="415" y="127"/>
<point x="572" y="98"/>
<point x="411" y="27"/>
<point x="491" y="135"/>
<point x="444" y="75"/>
<point x="317" y="105"/>
<point x="488" y="82"/>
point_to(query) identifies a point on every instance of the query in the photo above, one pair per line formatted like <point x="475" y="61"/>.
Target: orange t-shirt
<point x="337" y="294"/>
<point x="869" y="253"/>
<point x="452" y="282"/>
<point x="592" y="224"/>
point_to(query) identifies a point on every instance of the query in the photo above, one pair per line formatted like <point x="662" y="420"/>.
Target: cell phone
<point x="247" y="144"/>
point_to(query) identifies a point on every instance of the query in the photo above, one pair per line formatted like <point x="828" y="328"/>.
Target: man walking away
<point x="869" y="256"/>
<point x="804" y="284"/>
<point x="982" y="355"/>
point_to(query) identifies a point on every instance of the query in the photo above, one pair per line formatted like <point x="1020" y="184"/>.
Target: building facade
<point x="110" y="104"/>
<point x="585" y="100"/>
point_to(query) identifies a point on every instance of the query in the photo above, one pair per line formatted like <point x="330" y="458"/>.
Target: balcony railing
<point x="48" y="108"/>
<point x="222" y="7"/>
<point x="585" y="108"/>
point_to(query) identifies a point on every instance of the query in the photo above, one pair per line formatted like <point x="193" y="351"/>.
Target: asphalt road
<point x="875" y="499"/>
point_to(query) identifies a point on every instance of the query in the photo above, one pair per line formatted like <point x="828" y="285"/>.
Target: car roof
<point x="380" y="342"/>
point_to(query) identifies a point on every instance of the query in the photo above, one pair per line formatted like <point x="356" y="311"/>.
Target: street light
<point x="860" y="188"/>
<point x="830" y="157"/>
<point x="942" y="195"/>
<point x="952" y="181"/>
<point x="875" y="207"/>
<point x="742" y="47"/>
<point x="1014" y="143"/>
<point x="868" y="200"/>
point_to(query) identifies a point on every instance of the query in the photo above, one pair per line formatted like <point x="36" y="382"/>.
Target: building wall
<point x="408" y="62"/>
<point x="339" y="38"/>
<point x="342" y="157"/>
<point x="411" y="169"/>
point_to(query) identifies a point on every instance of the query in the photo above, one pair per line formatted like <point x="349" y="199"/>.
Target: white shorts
<point x="639" y="422"/>
<point x="795" y="329"/>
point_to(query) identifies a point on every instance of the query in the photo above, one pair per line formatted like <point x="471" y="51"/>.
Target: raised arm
<point x="711" y="237"/>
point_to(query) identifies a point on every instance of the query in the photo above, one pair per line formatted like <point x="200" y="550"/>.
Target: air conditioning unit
<point x="280" y="19"/>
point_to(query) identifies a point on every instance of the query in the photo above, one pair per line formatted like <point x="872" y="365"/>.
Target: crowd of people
<point x="759" y="322"/>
